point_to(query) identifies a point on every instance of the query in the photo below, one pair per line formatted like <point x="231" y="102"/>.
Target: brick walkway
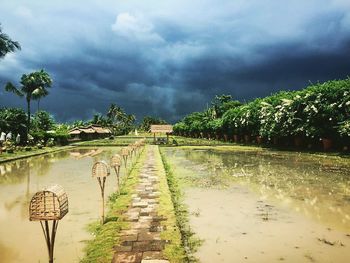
<point x="142" y="242"/>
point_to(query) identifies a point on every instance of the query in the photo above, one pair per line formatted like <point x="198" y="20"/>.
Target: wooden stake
<point x="117" y="170"/>
<point x="50" y="239"/>
<point x="102" y="187"/>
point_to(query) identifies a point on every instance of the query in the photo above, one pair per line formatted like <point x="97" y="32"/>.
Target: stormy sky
<point x="170" y="58"/>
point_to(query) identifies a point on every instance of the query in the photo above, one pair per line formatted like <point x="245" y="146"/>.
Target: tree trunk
<point x="28" y="116"/>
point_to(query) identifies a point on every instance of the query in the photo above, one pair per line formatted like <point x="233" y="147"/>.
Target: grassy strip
<point x="100" y="249"/>
<point x="224" y="148"/>
<point x="8" y="157"/>
<point x="305" y="156"/>
<point x="117" y="141"/>
<point x="174" y="251"/>
<point x="189" y="241"/>
<point x="187" y="141"/>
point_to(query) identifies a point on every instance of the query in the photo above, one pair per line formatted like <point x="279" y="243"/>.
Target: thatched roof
<point x="75" y="131"/>
<point x="91" y="129"/>
<point x="161" y="128"/>
<point x="100" y="129"/>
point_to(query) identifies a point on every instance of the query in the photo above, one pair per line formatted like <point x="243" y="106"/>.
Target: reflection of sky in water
<point x="318" y="187"/>
<point x="19" y="180"/>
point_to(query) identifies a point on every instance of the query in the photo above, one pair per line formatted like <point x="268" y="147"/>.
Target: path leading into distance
<point x="142" y="242"/>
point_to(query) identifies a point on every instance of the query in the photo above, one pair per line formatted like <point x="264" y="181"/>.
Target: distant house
<point x="90" y="132"/>
<point x="159" y="129"/>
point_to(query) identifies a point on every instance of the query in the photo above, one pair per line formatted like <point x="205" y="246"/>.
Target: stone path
<point x="142" y="242"/>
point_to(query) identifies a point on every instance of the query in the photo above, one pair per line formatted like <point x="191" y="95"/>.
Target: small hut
<point x="90" y="132"/>
<point x="161" y="129"/>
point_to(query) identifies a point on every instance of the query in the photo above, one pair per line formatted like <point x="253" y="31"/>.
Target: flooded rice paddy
<point x="264" y="206"/>
<point x="22" y="240"/>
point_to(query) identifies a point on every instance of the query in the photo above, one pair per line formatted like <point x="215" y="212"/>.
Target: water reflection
<point x="318" y="187"/>
<point x="19" y="180"/>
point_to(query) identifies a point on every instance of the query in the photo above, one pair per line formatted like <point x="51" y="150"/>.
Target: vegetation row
<point x="318" y="113"/>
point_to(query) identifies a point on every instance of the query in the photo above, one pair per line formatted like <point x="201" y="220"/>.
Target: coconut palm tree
<point x="130" y="119"/>
<point x="38" y="94"/>
<point x="116" y="114"/>
<point x="7" y="45"/>
<point x="30" y="84"/>
<point x="112" y="111"/>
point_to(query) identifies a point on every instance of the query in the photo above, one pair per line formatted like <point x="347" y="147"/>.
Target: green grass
<point x="20" y="154"/>
<point x="224" y="148"/>
<point x="174" y="251"/>
<point x="228" y="146"/>
<point x="100" y="249"/>
<point x="188" y="239"/>
<point x="181" y="141"/>
<point x="117" y="141"/>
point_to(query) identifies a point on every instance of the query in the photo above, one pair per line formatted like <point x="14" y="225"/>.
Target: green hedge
<point x="319" y="111"/>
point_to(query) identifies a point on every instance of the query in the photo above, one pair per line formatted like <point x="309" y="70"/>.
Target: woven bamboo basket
<point x="100" y="169"/>
<point x="125" y="151"/>
<point x="49" y="204"/>
<point x="116" y="160"/>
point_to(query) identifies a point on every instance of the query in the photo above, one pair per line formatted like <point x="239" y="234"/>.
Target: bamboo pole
<point x="50" y="239"/>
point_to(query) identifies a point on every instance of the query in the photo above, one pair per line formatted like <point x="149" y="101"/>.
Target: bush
<point x="318" y="111"/>
<point x="13" y="120"/>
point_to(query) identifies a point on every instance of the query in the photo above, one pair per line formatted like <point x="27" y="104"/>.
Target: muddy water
<point x="263" y="206"/>
<point x="23" y="241"/>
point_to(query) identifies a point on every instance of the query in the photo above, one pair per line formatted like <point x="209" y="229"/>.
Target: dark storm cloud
<point x="168" y="59"/>
<point x="287" y="67"/>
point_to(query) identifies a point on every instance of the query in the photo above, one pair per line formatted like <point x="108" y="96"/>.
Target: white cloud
<point x="136" y="28"/>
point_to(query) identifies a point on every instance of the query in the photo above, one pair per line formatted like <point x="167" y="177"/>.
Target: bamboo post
<point x="51" y="204"/>
<point x="102" y="183"/>
<point x="125" y="153"/>
<point x="115" y="163"/>
<point x="101" y="170"/>
<point x="131" y="153"/>
<point x="50" y="239"/>
<point x="117" y="170"/>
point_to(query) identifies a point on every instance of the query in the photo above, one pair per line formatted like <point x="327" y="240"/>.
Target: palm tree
<point x="29" y="84"/>
<point x="7" y="45"/>
<point x="116" y="113"/>
<point x="130" y="119"/>
<point x="78" y="123"/>
<point x="38" y="94"/>
<point x="112" y="111"/>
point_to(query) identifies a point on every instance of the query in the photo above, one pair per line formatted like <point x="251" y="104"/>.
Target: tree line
<point x="318" y="114"/>
<point x="41" y="126"/>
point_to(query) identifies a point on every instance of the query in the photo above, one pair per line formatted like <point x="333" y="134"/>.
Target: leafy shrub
<point x="13" y="120"/>
<point x="319" y="111"/>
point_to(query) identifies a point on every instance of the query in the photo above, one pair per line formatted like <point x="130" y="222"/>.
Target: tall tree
<point x="99" y="119"/>
<point x="6" y="44"/>
<point x="38" y="94"/>
<point x="116" y="114"/>
<point x="130" y="119"/>
<point x="112" y="111"/>
<point x="148" y="121"/>
<point x="220" y="104"/>
<point x="13" y="120"/>
<point x="29" y="84"/>
<point x="43" y="121"/>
